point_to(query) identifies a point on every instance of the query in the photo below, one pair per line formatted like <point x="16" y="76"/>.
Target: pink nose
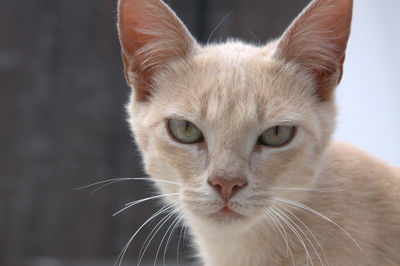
<point x="226" y="188"/>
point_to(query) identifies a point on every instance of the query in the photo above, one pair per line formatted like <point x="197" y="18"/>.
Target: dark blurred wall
<point x="62" y="93"/>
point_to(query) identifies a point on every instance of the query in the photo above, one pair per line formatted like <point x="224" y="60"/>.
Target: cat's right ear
<point x="316" y="41"/>
<point x="151" y="37"/>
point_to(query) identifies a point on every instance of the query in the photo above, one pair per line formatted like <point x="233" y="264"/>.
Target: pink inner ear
<point x="151" y="35"/>
<point x="317" y="41"/>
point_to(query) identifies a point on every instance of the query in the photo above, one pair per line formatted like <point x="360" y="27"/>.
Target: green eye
<point x="277" y="136"/>
<point x="184" y="131"/>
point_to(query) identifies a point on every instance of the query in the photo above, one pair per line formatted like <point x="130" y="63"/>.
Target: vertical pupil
<point x="187" y="125"/>
<point x="276" y="130"/>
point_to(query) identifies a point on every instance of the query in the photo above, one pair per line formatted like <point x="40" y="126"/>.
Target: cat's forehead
<point x="232" y="59"/>
<point x="231" y="83"/>
<point x="241" y="81"/>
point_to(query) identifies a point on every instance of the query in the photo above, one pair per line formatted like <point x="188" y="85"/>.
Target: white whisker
<point x="152" y="234"/>
<point x="255" y="36"/>
<point x="309" y="230"/>
<point x="283" y="234"/>
<point x="177" y="246"/>
<point x="218" y="25"/>
<point x="296" y="234"/>
<point x="162" y="240"/>
<point x="178" y="220"/>
<point x="108" y="182"/>
<point x="305" y="235"/>
<point x="122" y="253"/>
<point x="133" y="203"/>
<point x="302" y="206"/>
<point x="307" y="189"/>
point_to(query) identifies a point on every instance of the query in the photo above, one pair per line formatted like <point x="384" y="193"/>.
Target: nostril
<point x="238" y="186"/>
<point x="218" y="187"/>
<point x="215" y="185"/>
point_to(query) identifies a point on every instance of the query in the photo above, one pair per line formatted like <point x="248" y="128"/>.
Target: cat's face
<point x="231" y="94"/>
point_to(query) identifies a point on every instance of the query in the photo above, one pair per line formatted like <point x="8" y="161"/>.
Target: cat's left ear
<point x="151" y="37"/>
<point x="317" y="41"/>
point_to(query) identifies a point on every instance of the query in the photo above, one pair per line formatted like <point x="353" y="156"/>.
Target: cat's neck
<point x="259" y="244"/>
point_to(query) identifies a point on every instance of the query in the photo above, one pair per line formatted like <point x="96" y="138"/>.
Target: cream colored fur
<point x="348" y="210"/>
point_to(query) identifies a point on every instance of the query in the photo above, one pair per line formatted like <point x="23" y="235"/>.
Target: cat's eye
<point x="277" y="136"/>
<point x="184" y="131"/>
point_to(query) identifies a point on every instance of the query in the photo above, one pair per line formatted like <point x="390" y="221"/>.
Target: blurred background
<point x="62" y="92"/>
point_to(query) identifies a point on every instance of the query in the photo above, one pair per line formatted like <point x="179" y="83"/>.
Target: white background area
<point x="369" y="96"/>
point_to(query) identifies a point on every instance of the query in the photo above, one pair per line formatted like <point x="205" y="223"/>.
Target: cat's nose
<point x="227" y="187"/>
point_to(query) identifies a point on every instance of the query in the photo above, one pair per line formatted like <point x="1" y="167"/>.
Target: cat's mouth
<point x="227" y="213"/>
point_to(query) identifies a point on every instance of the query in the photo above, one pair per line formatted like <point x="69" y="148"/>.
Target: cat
<point x="238" y="139"/>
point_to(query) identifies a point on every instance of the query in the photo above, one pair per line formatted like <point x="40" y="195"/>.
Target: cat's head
<point x="232" y="123"/>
